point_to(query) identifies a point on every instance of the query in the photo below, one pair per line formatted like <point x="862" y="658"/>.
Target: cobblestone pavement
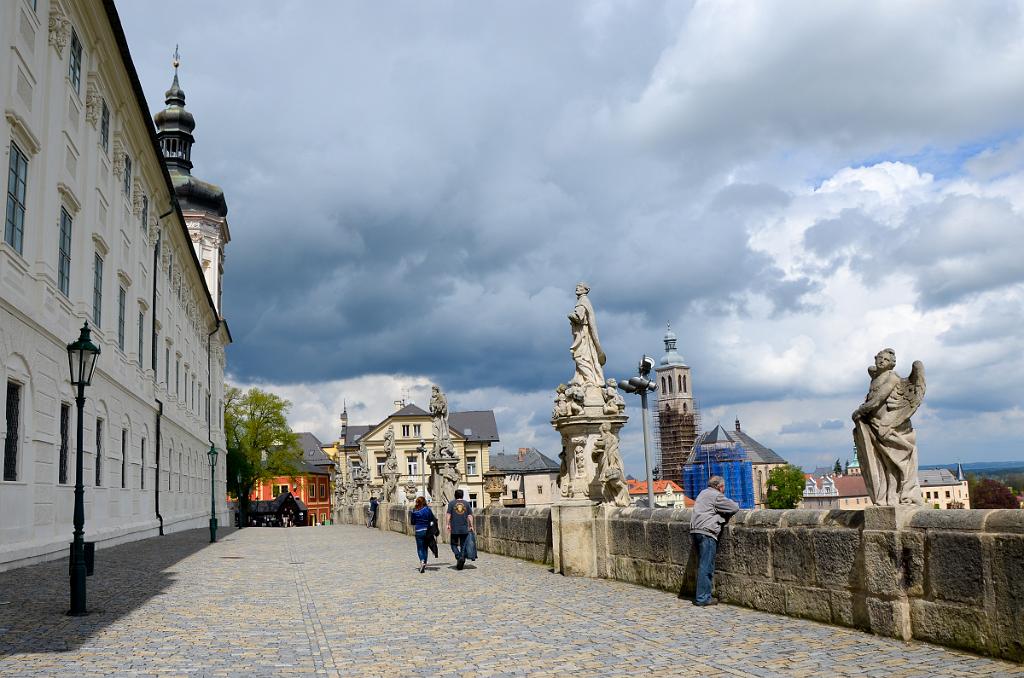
<point x="345" y="600"/>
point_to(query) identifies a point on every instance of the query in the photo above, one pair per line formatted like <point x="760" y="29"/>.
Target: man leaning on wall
<point x="711" y="510"/>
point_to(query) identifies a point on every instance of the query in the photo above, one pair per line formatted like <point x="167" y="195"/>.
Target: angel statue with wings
<point x="886" y="440"/>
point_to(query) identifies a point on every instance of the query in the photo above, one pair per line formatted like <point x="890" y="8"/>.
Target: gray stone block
<point x="809" y="603"/>
<point x="679" y="542"/>
<point x="889" y="618"/>
<point x="764" y="518"/>
<point x="725" y="556"/>
<point x="849" y="609"/>
<point x="1006" y="556"/>
<point x="767" y="596"/>
<point x="893" y="563"/>
<point x="888" y="517"/>
<point x="658" y="541"/>
<point x="803" y="518"/>
<point x="953" y="519"/>
<point x="751" y="551"/>
<point x="1005" y="520"/>
<point x="793" y="555"/>
<point x="955" y="568"/>
<point x="729" y="588"/>
<point x="851" y="519"/>
<point x="837" y="558"/>
<point x="948" y="624"/>
<point x="618" y="535"/>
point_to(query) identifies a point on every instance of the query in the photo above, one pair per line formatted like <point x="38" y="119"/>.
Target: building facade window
<point x="142" y="465"/>
<point x="99" y="452"/>
<point x="144" y="219"/>
<point x="167" y="368"/>
<point x="17" y="179"/>
<point x="405" y="430"/>
<point x="323" y="490"/>
<point x="684" y="383"/>
<point x="412" y="464"/>
<point x="75" y="62"/>
<point x="62" y="464"/>
<point x="122" y="299"/>
<point x="124" y="456"/>
<point x="64" y="254"/>
<point x="472" y="499"/>
<point x="127" y="187"/>
<point x="470" y="466"/>
<point x="680" y="380"/>
<point x="13" y="421"/>
<point x="177" y="375"/>
<point x="97" y="290"/>
<point x="380" y="467"/>
<point x="416" y="430"/>
<point x="181" y="469"/>
<point x="105" y="127"/>
<point x="278" y="489"/>
<point x="142" y="326"/>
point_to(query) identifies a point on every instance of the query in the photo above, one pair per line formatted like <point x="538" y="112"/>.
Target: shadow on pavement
<point x="34" y="600"/>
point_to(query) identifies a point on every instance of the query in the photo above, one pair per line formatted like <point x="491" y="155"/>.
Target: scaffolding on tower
<point x="676" y="434"/>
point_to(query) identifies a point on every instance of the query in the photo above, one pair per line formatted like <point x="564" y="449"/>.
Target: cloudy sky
<point x="415" y="188"/>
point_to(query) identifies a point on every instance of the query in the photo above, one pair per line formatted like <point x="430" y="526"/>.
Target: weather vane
<point x="177" y="59"/>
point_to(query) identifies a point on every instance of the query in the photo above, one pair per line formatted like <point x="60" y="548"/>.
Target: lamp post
<point x="212" y="454"/>
<point x="82" y="356"/>
<point x="641" y="384"/>
<point x="422" y="449"/>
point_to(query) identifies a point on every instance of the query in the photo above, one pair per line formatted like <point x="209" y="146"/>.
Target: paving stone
<point x="347" y="601"/>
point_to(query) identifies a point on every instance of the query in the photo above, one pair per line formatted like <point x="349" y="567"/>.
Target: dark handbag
<point x="469" y="547"/>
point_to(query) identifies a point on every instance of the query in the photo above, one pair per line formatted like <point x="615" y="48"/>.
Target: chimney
<point x="399" y="404"/>
<point x="522" y="453"/>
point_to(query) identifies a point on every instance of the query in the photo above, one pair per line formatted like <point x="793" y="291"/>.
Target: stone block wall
<point x="954" y="577"/>
<point x="517" y="532"/>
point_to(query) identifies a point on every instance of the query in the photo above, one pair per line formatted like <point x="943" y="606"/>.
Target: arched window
<point x="680" y="381"/>
<point x="670" y="384"/>
<point x="684" y="384"/>
<point x="685" y="408"/>
<point x="664" y="389"/>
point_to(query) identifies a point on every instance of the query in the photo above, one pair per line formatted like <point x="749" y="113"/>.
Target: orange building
<point x="311" y="484"/>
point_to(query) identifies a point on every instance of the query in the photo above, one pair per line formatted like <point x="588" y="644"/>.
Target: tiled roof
<point x="930" y="477"/>
<point x="475" y="425"/>
<point x="313" y="450"/>
<point x="756" y="452"/>
<point x="640" y="486"/>
<point x="534" y="461"/>
<point x="410" y="410"/>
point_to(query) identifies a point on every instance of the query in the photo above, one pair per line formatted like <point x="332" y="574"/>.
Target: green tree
<point x="260" y="443"/>
<point x="785" y="487"/>
<point x="838" y="468"/>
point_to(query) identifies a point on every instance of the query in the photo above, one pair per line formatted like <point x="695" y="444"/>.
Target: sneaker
<point x="423" y="568"/>
<point x="460" y="563"/>
<point x="712" y="601"/>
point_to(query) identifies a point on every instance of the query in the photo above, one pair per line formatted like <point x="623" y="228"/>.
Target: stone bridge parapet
<point x="952" y="577"/>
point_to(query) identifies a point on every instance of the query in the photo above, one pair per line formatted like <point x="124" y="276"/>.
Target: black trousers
<point x="458" y="541"/>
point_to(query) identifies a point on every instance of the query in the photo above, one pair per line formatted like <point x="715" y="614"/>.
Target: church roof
<point x="756" y="452"/>
<point x="671" y="357"/>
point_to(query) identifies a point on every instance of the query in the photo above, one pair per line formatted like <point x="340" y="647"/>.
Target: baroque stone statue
<point x="610" y="471"/>
<point x="391" y="470"/>
<point x="439" y="423"/>
<point x="586" y="345"/>
<point x="614" y="403"/>
<point x="885" y="439"/>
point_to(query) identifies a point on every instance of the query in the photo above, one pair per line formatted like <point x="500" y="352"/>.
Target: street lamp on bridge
<point x="82" y="355"/>
<point x="641" y="384"/>
<point x="212" y="454"/>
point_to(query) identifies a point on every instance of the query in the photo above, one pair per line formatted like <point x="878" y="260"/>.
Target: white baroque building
<point x="95" y="230"/>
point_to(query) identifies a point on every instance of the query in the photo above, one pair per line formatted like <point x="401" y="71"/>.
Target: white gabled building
<point x="94" y="231"/>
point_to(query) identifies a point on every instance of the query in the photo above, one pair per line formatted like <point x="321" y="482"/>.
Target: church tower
<point x="676" y="416"/>
<point x="202" y="203"/>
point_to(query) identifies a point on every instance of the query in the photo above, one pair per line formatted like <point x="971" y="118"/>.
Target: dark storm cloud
<point x="416" y="189"/>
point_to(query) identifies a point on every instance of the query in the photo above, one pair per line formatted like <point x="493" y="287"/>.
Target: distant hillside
<point x="984" y="467"/>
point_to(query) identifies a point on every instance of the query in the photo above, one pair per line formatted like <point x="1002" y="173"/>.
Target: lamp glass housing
<point x="82" y="355"/>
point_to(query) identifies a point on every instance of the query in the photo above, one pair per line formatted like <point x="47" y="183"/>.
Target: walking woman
<point x="422" y="519"/>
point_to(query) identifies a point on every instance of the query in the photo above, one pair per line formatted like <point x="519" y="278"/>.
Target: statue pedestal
<point x="579" y="434"/>
<point x="889" y="517"/>
<point x="574" y="538"/>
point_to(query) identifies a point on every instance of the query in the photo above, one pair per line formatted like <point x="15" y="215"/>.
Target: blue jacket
<point x="421" y="519"/>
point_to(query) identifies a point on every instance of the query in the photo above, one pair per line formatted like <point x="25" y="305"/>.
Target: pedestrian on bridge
<point x="371" y="520"/>
<point x="422" y="518"/>
<point x="711" y="510"/>
<point x="460" y="524"/>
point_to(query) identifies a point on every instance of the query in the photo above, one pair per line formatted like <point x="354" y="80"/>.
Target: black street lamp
<point x="82" y="355"/>
<point x="212" y="454"/>
<point x="641" y="384"/>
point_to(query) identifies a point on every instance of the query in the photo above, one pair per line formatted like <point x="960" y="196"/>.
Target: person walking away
<point x="421" y="517"/>
<point x="372" y="520"/>
<point x="460" y="524"/>
<point x="711" y="510"/>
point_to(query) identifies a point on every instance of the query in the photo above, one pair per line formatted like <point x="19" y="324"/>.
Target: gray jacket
<point x="711" y="510"/>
